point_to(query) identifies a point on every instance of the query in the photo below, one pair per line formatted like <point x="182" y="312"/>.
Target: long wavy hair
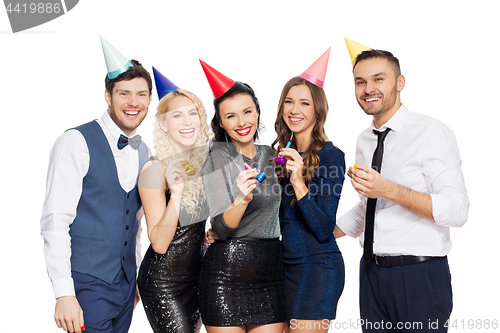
<point x="194" y="193"/>
<point x="318" y="135"/>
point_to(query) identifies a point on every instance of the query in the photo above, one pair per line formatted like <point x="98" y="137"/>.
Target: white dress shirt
<point x="420" y="153"/>
<point x="68" y="165"/>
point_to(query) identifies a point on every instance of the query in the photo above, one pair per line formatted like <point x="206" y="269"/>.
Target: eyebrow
<point x="126" y="90"/>
<point x="373" y="75"/>
<point x="181" y="111"/>
<point x="234" y="112"/>
<point x="300" y="99"/>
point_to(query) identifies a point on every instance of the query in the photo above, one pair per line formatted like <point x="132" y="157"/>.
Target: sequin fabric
<point x="168" y="283"/>
<point x="220" y="172"/>
<point x="314" y="268"/>
<point x="241" y="283"/>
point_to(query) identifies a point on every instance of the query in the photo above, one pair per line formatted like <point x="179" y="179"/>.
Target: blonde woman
<point x="175" y="208"/>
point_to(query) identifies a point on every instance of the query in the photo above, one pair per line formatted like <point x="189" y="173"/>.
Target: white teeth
<point x="295" y="119"/>
<point x="372" y="99"/>
<point x="131" y="113"/>
<point x="243" y="131"/>
<point x="187" y="131"/>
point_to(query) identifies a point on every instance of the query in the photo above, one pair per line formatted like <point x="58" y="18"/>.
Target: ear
<point x="107" y="97"/>
<point x="220" y="124"/>
<point x="163" y="127"/>
<point x="401" y="82"/>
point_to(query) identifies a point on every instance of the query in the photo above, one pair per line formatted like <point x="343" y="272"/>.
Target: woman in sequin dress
<point x="175" y="209"/>
<point x="311" y="184"/>
<point x="241" y="284"/>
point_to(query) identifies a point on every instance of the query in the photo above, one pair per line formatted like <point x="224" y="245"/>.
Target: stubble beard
<point x="387" y="103"/>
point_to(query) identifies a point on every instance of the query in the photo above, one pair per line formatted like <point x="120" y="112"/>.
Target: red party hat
<point x="219" y="83"/>
<point x="317" y="71"/>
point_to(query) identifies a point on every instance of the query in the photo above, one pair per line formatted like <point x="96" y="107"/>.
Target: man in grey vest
<point x="92" y="209"/>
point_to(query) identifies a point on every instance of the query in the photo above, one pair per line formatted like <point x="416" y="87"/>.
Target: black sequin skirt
<point x="242" y="283"/>
<point x="168" y="283"/>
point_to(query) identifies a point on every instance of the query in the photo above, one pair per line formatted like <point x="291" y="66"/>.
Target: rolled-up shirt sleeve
<point x="68" y="164"/>
<point x="352" y="222"/>
<point x="444" y="178"/>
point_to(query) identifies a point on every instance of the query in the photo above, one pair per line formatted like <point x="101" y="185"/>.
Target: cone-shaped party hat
<point x="219" y="83"/>
<point x="317" y="71"/>
<point x="355" y="49"/>
<point x="115" y="61"/>
<point x="163" y="85"/>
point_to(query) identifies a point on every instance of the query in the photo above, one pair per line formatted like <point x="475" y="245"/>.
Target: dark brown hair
<point x="238" y="88"/>
<point x="369" y="54"/>
<point x="133" y="72"/>
<point x="318" y="136"/>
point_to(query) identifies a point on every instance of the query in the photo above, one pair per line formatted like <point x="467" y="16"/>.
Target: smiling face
<point x="298" y="110"/>
<point x="128" y="104"/>
<point x="378" y="88"/>
<point x="182" y="123"/>
<point x="239" y="118"/>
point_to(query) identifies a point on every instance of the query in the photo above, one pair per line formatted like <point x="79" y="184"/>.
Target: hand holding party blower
<point x="282" y="159"/>
<point x="260" y="177"/>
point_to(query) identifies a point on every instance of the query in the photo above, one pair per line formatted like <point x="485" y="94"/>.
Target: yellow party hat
<point x="355" y="48"/>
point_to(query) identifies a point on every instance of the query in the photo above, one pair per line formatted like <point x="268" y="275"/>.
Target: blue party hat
<point x="115" y="61"/>
<point x="163" y="85"/>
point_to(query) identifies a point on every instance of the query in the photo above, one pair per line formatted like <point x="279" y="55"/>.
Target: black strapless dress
<point x="168" y="283"/>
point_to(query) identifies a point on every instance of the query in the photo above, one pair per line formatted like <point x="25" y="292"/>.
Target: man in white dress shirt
<point x="91" y="210"/>
<point x="405" y="282"/>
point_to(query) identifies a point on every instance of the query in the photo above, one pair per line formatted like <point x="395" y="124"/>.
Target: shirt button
<point x="125" y="243"/>
<point x="128" y="211"/>
<point x="128" y="195"/>
<point x="123" y="258"/>
<point x="127" y="227"/>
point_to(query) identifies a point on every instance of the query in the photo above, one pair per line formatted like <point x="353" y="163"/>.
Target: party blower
<point x="282" y="159"/>
<point x="260" y="177"/>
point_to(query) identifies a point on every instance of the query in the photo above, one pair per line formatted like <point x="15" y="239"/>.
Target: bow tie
<point x="134" y="141"/>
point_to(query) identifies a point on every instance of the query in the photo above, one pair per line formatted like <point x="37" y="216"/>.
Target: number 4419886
<point x="33" y="8"/>
<point x="472" y="324"/>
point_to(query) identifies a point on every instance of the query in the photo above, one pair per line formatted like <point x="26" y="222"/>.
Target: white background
<point x="52" y="79"/>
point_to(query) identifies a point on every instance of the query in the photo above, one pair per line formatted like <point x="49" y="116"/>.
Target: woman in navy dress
<point x="311" y="182"/>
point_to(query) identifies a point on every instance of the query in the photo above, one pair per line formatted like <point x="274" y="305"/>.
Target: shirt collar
<point x="396" y="122"/>
<point x="113" y="128"/>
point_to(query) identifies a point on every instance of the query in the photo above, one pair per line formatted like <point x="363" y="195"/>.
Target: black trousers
<point x="409" y="298"/>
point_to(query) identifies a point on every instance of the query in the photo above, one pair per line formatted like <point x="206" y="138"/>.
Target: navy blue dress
<point x="314" y="268"/>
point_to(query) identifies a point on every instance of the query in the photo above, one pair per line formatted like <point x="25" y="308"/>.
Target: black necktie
<point x="134" y="141"/>
<point x="370" y="207"/>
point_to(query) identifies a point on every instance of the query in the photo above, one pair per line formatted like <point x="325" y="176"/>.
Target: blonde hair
<point x="194" y="193"/>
